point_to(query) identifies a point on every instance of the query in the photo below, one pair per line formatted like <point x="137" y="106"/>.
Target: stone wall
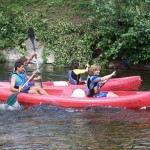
<point x="12" y="54"/>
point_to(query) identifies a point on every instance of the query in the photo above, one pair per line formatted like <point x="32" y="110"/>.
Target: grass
<point x="75" y="11"/>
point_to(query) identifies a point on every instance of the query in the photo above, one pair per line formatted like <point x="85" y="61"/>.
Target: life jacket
<point x="24" y="79"/>
<point x="95" y="89"/>
<point x="19" y="80"/>
<point x="73" y="78"/>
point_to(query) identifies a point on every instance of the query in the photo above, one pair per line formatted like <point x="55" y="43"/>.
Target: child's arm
<point x="108" y="76"/>
<point x="31" y="57"/>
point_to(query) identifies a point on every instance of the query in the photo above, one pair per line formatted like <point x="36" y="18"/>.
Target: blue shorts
<point x="101" y="94"/>
<point x="31" y="84"/>
<point x="26" y="90"/>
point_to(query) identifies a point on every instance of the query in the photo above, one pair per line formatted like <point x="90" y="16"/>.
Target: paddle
<point x="12" y="98"/>
<point x="95" y="54"/>
<point x="32" y="38"/>
<point x="104" y="83"/>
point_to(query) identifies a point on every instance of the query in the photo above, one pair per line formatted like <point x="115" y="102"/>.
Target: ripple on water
<point x="50" y="127"/>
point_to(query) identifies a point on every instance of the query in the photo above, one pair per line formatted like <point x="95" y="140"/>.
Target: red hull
<point x="116" y="84"/>
<point x="63" y="98"/>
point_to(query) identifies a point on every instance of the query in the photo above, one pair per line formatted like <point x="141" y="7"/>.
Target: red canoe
<point x="67" y="98"/>
<point x="115" y="84"/>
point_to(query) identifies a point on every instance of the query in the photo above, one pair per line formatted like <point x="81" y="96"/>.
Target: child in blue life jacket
<point x="74" y="75"/>
<point x="94" y="83"/>
<point x="23" y="74"/>
<point x="17" y="84"/>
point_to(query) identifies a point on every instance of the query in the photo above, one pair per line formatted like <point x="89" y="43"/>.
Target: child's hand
<point x="87" y="65"/>
<point x="34" y="72"/>
<point x="20" y="88"/>
<point x="38" y="78"/>
<point x="114" y="73"/>
<point x="34" y="54"/>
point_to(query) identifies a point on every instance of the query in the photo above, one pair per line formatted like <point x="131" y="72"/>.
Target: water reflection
<point x="47" y="127"/>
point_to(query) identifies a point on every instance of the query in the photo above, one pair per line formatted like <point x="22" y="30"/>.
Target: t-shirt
<point x="79" y="71"/>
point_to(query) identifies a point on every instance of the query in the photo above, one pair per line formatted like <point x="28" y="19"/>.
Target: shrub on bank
<point x="121" y="29"/>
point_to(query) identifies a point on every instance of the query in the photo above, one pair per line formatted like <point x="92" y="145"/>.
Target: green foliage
<point x="67" y="43"/>
<point x="12" y="26"/>
<point x="119" y="27"/>
<point x="2" y="58"/>
<point x="124" y="29"/>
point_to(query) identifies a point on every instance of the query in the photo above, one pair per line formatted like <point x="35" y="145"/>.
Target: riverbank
<point x="76" y="29"/>
<point x="117" y="64"/>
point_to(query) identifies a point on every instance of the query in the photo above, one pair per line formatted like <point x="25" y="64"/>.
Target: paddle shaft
<point x="32" y="37"/>
<point x="37" y="65"/>
<point x="33" y="74"/>
<point x="104" y="83"/>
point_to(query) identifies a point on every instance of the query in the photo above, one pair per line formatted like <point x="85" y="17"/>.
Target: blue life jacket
<point x="73" y="78"/>
<point x="24" y="79"/>
<point x="19" y="80"/>
<point x="90" y="89"/>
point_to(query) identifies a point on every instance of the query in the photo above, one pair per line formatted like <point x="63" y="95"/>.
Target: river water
<point x="46" y="127"/>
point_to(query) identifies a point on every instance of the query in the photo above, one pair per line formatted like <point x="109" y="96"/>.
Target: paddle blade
<point x="31" y="34"/>
<point x="95" y="54"/>
<point x="11" y="99"/>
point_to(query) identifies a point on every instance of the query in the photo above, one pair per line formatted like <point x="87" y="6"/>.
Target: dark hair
<point x="75" y="64"/>
<point x="22" y="59"/>
<point x="18" y="64"/>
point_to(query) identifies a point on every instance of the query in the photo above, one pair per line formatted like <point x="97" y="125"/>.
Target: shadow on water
<point x="48" y="127"/>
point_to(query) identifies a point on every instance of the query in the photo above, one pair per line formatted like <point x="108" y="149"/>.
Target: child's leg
<point x="111" y="94"/>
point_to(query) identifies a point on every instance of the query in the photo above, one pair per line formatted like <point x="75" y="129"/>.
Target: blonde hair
<point x="93" y="68"/>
